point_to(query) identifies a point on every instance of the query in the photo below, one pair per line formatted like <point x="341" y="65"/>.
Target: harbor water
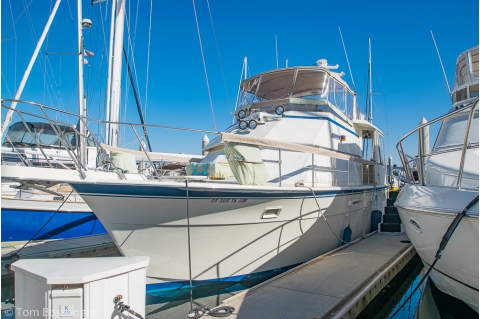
<point x="426" y="302"/>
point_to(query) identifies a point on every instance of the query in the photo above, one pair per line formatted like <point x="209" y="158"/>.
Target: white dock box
<point x="83" y="288"/>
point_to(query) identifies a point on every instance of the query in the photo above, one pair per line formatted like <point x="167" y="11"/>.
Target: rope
<point x="446" y="237"/>
<point x="204" y="65"/>
<point x="220" y="312"/>
<point x="323" y="215"/>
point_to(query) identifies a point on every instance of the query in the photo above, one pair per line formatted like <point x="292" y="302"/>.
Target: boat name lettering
<point x="228" y="200"/>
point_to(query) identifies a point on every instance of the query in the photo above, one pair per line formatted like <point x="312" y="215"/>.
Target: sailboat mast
<point x="370" y="94"/>
<point x="109" y="75"/>
<point x="117" y="72"/>
<point x="8" y="117"/>
<point x="82" y="148"/>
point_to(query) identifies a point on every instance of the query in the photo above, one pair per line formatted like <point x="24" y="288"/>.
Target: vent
<point x="271" y="212"/>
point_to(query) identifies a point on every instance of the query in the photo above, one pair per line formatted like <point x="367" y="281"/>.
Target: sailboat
<point x="285" y="183"/>
<point x="439" y="204"/>
<point x="38" y="157"/>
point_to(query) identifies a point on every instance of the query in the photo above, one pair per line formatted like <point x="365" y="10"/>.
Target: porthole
<point x="416" y="226"/>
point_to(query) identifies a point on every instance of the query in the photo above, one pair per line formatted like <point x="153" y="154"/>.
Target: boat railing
<point x="155" y="163"/>
<point x="30" y="110"/>
<point x="414" y="166"/>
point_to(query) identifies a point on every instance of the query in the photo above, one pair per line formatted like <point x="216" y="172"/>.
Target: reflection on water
<point x="427" y="302"/>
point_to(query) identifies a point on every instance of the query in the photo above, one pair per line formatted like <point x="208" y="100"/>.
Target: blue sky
<point x="407" y="78"/>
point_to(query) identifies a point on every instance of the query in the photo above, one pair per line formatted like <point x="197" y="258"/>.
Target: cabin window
<point x="310" y="84"/>
<point x="474" y="61"/>
<point x="336" y="95"/>
<point x="473" y="90"/>
<point x="461" y="75"/>
<point x="276" y="85"/>
<point x="248" y="92"/>
<point x="349" y="111"/>
<point x="461" y="95"/>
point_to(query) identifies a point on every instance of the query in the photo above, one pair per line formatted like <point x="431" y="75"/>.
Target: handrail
<point x="419" y="159"/>
<point x="102" y="121"/>
<point x="279" y="145"/>
<point x="465" y="145"/>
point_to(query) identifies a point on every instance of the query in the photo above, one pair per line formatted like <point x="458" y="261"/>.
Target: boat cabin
<point x="41" y="134"/>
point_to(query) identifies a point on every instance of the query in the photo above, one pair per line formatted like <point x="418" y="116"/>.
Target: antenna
<point x="441" y="63"/>
<point x="276" y="50"/>
<point x="348" y="63"/>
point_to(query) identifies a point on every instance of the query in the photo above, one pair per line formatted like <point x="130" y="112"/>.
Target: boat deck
<point x="339" y="284"/>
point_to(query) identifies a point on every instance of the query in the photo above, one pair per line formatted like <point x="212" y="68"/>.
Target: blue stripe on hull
<point x="169" y="291"/>
<point x="20" y="225"/>
<point x="155" y="190"/>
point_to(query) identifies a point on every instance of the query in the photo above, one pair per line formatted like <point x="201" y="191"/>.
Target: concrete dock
<point x="88" y="246"/>
<point x="339" y="284"/>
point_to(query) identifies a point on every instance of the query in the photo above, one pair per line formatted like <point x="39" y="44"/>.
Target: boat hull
<point x="22" y="219"/>
<point x="223" y="231"/>
<point x="456" y="272"/>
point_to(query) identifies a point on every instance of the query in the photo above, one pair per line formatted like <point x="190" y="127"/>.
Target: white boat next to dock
<point x="440" y="208"/>
<point x="284" y="183"/>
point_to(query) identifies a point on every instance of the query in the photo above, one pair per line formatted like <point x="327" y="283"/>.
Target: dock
<point x="87" y="246"/>
<point x="339" y="284"/>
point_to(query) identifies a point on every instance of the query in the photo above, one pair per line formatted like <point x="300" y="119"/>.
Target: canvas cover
<point x="246" y="163"/>
<point x="218" y="170"/>
<point x="124" y="161"/>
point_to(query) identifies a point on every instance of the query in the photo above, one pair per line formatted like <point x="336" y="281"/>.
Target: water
<point x="427" y="302"/>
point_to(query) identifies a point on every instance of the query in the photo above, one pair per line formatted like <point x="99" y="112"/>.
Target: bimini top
<point x="466" y="76"/>
<point x="306" y="83"/>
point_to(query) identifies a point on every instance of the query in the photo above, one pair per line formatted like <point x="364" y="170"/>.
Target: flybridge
<point x="314" y="86"/>
<point x="466" y="76"/>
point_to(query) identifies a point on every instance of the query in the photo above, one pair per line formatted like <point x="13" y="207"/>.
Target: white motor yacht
<point x="287" y="182"/>
<point x="442" y="191"/>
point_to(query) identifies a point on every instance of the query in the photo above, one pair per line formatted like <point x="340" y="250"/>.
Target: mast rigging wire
<point x="15" y="49"/>
<point x="148" y="57"/>
<point x="137" y="100"/>
<point x="441" y="63"/>
<point x="348" y="62"/>
<point x="13" y="24"/>
<point x="204" y="65"/>
<point x="219" y="59"/>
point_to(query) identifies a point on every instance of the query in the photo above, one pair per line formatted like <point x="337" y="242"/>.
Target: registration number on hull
<point x="229" y="200"/>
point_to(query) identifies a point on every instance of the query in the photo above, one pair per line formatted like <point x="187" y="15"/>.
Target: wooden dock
<point x="88" y="246"/>
<point x="339" y="284"/>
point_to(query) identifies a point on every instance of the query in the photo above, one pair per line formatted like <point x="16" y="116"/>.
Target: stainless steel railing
<point x="416" y="163"/>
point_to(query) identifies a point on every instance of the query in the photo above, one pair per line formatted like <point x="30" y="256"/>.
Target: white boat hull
<point x="228" y="237"/>
<point x="456" y="272"/>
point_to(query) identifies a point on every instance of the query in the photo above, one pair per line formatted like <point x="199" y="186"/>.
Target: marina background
<point x="407" y="78"/>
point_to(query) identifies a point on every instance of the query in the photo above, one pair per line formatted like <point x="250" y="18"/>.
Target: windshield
<point x="297" y="83"/>
<point x="19" y="136"/>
